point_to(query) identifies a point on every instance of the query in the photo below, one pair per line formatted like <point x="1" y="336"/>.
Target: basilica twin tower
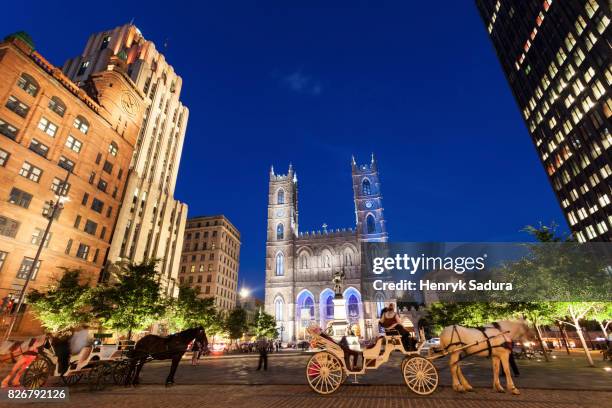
<point x="300" y="265"/>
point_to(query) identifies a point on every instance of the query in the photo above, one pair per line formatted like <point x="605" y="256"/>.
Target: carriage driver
<point x="389" y="320"/>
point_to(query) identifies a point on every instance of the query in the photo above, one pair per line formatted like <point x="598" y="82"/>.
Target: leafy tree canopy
<point x="65" y="304"/>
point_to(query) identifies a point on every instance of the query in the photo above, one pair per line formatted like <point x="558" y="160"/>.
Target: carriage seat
<point x="373" y="350"/>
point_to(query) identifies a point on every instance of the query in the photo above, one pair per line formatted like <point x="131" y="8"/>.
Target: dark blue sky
<point x="308" y="83"/>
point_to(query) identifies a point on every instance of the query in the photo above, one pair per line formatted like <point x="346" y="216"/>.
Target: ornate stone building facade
<point x="300" y="265"/>
<point x="151" y="222"/>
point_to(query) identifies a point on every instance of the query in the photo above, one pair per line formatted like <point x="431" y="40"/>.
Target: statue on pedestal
<point x="338" y="280"/>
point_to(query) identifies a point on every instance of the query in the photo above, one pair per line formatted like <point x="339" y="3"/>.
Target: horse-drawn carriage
<point x="328" y="369"/>
<point x="98" y="365"/>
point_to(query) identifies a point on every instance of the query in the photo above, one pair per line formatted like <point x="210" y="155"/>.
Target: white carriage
<point x="98" y="365"/>
<point x="328" y="368"/>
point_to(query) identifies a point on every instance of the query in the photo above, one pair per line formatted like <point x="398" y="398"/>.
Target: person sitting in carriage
<point x="389" y="320"/>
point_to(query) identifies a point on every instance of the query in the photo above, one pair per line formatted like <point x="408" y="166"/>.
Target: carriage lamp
<point x="608" y="369"/>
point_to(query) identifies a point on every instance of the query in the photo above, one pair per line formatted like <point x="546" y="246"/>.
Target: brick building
<point x="49" y="127"/>
<point x="210" y="260"/>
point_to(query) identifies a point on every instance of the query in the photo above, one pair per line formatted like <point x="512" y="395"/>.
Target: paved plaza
<point x="350" y="396"/>
<point x="233" y="381"/>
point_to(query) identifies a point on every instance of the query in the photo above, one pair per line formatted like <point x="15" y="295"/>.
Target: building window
<point x="280" y="264"/>
<point x="192" y="269"/>
<point x="4" y="156"/>
<point x="82" y="124"/>
<point x="280" y="231"/>
<point x="77" y="221"/>
<point x="47" y="126"/>
<point x="28" y="84"/>
<point x="280" y="197"/>
<point x="97" y="205"/>
<point x="17" y="106"/>
<point x="105" y="42"/>
<point x="57" y="106"/>
<point x="20" y="197"/>
<point x="82" y="68"/>
<point x="66" y="163"/>
<point x="278" y="309"/>
<point x="73" y="143"/>
<point x="30" y="172"/>
<point x="60" y="187"/>
<point x="37" y="237"/>
<point x="68" y="247"/>
<point x="83" y="251"/>
<point x="90" y="227"/>
<point x="365" y="187"/>
<point x="85" y="199"/>
<point x="107" y="167"/>
<point x="39" y="148"/>
<point x="370" y="224"/>
<point x="26" y="268"/>
<point x="113" y="149"/>
<point x="8" y="130"/>
<point x="8" y="227"/>
<point x="2" y="259"/>
<point x="102" y="185"/>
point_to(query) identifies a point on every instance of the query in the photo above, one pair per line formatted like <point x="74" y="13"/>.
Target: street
<point x="233" y="381"/>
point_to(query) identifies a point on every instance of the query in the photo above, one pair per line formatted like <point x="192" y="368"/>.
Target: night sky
<point x="304" y="82"/>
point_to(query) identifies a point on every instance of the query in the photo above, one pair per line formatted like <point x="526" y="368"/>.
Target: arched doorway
<point x="305" y="315"/>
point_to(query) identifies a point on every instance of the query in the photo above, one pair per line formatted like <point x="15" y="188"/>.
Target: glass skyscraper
<point x="557" y="59"/>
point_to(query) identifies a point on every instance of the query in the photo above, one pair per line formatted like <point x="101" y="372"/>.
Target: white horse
<point x="494" y="341"/>
<point x="22" y="353"/>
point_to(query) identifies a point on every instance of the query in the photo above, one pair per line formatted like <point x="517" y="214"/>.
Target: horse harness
<point x="482" y="329"/>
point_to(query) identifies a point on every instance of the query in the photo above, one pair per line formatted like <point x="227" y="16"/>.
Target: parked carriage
<point x="104" y="363"/>
<point x="328" y="369"/>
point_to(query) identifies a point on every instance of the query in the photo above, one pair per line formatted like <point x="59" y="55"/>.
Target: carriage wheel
<point x="324" y="372"/>
<point x="420" y="375"/>
<point x="35" y="376"/>
<point x="71" y="379"/>
<point x="120" y="371"/>
<point x="97" y="375"/>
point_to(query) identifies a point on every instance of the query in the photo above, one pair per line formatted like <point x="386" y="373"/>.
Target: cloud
<point x="301" y="83"/>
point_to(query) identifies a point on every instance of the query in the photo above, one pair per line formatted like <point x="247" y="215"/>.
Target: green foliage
<point x="132" y="301"/>
<point x="265" y="325"/>
<point x="188" y="310"/>
<point x="236" y="323"/>
<point x="470" y="314"/>
<point x="65" y="303"/>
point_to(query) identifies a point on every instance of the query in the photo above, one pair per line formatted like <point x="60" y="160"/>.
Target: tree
<point x="132" y="301"/>
<point x="538" y="313"/>
<point x="466" y="314"/>
<point x="215" y="327"/>
<point x="65" y="303"/>
<point x="602" y="314"/>
<point x="265" y="325"/>
<point x="573" y="313"/>
<point x="188" y="310"/>
<point x="236" y="323"/>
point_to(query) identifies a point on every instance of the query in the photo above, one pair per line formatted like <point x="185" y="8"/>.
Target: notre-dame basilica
<point x="300" y="265"/>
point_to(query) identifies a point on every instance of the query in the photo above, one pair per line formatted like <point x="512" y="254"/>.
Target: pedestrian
<point x="262" y="347"/>
<point x="195" y="348"/>
<point x="390" y="320"/>
<point x="277" y="344"/>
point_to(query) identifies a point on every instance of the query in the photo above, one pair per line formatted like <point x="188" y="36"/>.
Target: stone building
<point x="211" y="258"/>
<point x="151" y="223"/>
<point x="49" y="129"/>
<point x="300" y="265"/>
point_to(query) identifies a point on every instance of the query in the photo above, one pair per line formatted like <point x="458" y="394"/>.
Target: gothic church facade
<point x="300" y="265"/>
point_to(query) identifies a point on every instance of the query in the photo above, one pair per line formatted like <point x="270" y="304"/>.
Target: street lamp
<point x="55" y="206"/>
<point x="244" y="293"/>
